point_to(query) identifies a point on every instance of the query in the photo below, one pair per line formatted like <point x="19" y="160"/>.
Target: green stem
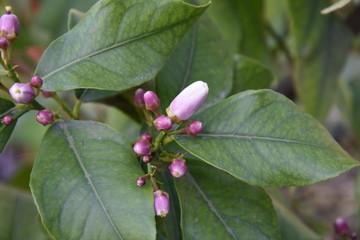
<point x="158" y="141"/>
<point x="4" y="88"/>
<point x="62" y="105"/>
<point x="182" y="130"/>
<point x="154" y="184"/>
<point x="281" y="44"/>
<point x="12" y="73"/>
<point x="76" y="109"/>
<point x="168" y="140"/>
<point x="2" y="63"/>
<point x="148" y="117"/>
<point x="8" y="112"/>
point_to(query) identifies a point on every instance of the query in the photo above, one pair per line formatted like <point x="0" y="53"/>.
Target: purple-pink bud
<point x="178" y="167"/>
<point x="7" y="120"/>
<point x="161" y="203"/>
<point x="152" y="102"/>
<point x="45" y="117"/>
<point x="188" y="101"/>
<point x="142" y="148"/>
<point x="36" y="82"/>
<point x="139" y="98"/>
<point x="341" y="226"/>
<point x="353" y="236"/>
<point x="46" y="94"/>
<point x="141" y="181"/>
<point x="9" y="25"/>
<point x="22" y="93"/>
<point x="163" y="123"/>
<point x="3" y="43"/>
<point x="194" y="128"/>
<point x="147" y="158"/>
<point x="146" y="137"/>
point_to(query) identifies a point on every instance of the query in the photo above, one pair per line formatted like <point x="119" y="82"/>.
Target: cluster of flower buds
<point x="342" y="229"/>
<point x="9" y="25"/>
<point x="179" y="111"/>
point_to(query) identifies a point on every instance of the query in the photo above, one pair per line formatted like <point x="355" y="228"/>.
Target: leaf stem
<point x="158" y="140"/>
<point x="77" y="108"/>
<point x="281" y="44"/>
<point x="63" y="106"/>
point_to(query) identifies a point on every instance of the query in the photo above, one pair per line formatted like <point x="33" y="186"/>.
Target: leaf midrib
<point x="70" y="140"/>
<point x="118" y="45"/>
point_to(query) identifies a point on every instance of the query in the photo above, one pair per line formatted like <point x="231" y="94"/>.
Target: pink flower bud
<point x="142" y="148"/>
<point x="188" y="101"/>
<point x="147" y="158"/>
<point x="22" y="93"/>
<point x="45" y="117"/>
<point x="9" y="25"/>
<point x="146" y="137"/>
<point x="152" y="102"/>
<point x="163" y="123"/>
<point x="3" y="43"/>
<point x="139" y="98"/>
<point x="341" y="226"/>
<point x="141" y="181"/>
<point x="194" y="128"/>
<point x="7" y="120"/>
<point x="178" y="167"/>
<point x="36" y="82"/>
<point x="161" y="203"/>
<point x="353" y="236"/>
<point x="46" y="94"/>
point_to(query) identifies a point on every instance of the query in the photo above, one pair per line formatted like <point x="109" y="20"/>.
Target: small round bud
<point x="45" y="117"/>
<point x="7" y="120"/>
<point x="146" y="137"/>
<point x="147" y="158"/>
<point x="9" y="25"/>
<point x="139" y="98"/>
<point x="353" y="236"/>
<point x="142" y="148"/>
<point x="22" y="93"/>
<point x="152" y="102"/>
<point x="161" y="203"/>
<point x="178" y="167"/>
<point x="341" y="226"/>
<point x="194" y="128"/>
<point x="46" y="94"/>
<point x="36" y="82"/>
<point x="163" y="123"/>
<point x="3" y="43"/>
<point x="141" y="181"/>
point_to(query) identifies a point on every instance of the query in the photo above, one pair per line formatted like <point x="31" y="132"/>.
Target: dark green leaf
<point x="83" y="182"/>
<point x="19" y="217"/>
<point x="215" y="205"/>
<point x="117" y="44"/>
<point x="262" y="138"/>
<point x="90" y="95"/>
<point x="201" y="55"/>
<point x="354" y="113"/>
<point x="321" y="44"/>
<point x="251" y="74"/>
<point x="5" y="131"/>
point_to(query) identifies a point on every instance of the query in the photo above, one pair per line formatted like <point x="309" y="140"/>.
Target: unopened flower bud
<point x="152" y="102"/>
<point x="139" y="98"/>
<point x="161" y="203"/>
<point x="341" y="226"/>
<point x="194" y="128"/>
<point x="178" y="167"/>
<point x="142" y="148"/>
<point x="353" y="236"/>
<point x="46" y="94"/>
<point x="9" y="25"/>
<point x="188" y="101"/>
<point x="3" y="43"/>
<point x="146" y="137"/>
<point x="36" y="82"/>
<point x="163" y="123"/>
<point x="45" y="117"/>
<point x="141" y="181"/>
<point x="22" y="93"/>
<point x="147" y="158"/>
<point x="7" y="120"/>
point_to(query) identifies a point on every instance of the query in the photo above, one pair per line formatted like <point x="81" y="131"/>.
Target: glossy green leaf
<point x="118" y="44"/>
<point x="321" y="44"/>
<point x="83" y="182"/>
<point x="262" y="138"/>
<point x="201" y="55"/>
<point x="215" y="205"/>
<point x="19" y="217"/>
<point x="5" y="131"/>
<point x="251" y="74"/>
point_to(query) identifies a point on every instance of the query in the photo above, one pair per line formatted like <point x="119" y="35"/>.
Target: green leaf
<point x="5" y="131"/>
<point x="216" y="205"/>
<point x="262" y="138"/>
<point x="321" y="44"/>
<point x="251" y="74"/>
<point x="19" y="217"/>
<point x="201" y="55"/>
<point x="354" y="114"/>
<point x="91" y="95"/>
<point x="117" y="44"/>
<point x="83" y="182"/>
